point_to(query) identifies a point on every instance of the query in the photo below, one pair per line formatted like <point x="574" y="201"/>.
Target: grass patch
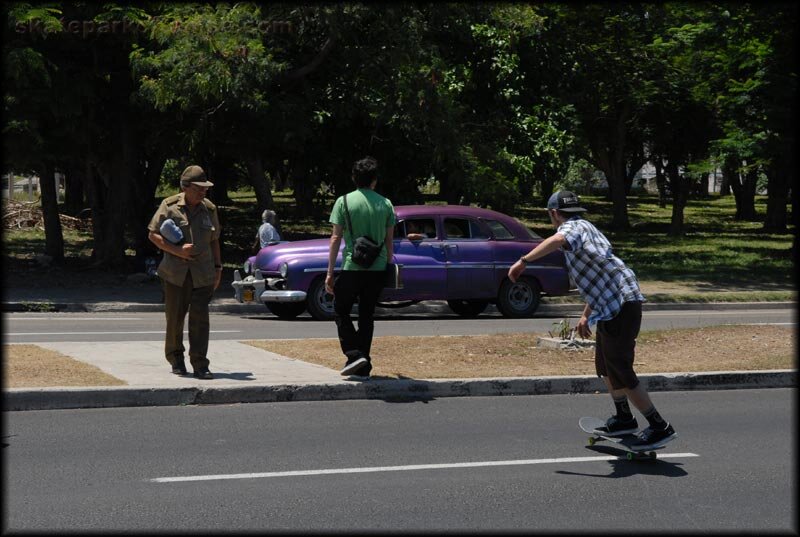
<point x="719" y="348"/>
<point x="31" y="366"/>
<point x="715" y="249"/>
<point x="717" y="254"/>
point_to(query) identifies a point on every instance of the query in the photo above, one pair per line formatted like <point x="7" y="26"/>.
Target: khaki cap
<point x="195" y="174"/>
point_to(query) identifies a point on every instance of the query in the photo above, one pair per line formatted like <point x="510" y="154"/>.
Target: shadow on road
<point x="412" y="396"/>
<point x="234" y="376"/>
<point x="624" y="468"/>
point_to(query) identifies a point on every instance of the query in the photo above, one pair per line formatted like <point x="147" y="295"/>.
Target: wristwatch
<point x="523" y="260"/>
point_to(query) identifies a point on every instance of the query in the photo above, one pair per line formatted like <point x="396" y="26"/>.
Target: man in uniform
<point x="191" y="269"/>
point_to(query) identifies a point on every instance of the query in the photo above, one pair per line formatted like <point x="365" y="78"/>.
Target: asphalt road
<point x="123" y="326"/>
<point x="355" y="465"/>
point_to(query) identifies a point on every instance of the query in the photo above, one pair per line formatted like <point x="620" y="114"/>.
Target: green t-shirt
<point x="370" y="214"/>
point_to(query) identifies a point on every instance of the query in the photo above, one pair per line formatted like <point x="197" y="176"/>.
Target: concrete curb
<point x="432" y="307"/>
<point x="16" y="399"/>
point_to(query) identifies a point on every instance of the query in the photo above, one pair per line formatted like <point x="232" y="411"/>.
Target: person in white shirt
<point x="267" y="232"/>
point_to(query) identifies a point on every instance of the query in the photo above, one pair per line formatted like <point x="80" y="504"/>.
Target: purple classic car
<point x="452" y="252"/>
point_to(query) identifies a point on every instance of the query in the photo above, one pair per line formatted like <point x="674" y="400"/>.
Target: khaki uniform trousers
<point x="177" y="301"/>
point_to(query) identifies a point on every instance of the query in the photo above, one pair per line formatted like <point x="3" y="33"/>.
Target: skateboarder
<point x="614" y="302"/>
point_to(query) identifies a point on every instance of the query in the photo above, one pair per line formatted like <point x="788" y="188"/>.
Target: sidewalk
<point x="245" y="374"/>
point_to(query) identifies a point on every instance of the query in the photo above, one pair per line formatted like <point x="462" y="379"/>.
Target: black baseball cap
<point x="565" y="201"/>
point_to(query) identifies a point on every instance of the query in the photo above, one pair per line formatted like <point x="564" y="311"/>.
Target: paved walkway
<point x="248" y="374"/>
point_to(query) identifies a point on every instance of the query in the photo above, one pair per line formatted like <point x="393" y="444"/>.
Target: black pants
<point x="366" y="286"/>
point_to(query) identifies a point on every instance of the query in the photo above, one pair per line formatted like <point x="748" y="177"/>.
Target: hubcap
<point x="520" y="296"/>
<point x="325" y="300"/>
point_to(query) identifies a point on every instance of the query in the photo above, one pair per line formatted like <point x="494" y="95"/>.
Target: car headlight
<point x="247" y="267"/>
<point x="284" y="269"/>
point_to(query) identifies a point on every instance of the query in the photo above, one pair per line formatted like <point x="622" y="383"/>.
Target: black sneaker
<point x="203" y="373"/>
<point x="652" y="438"/>
<point x="179" y="368"/>
<point x="355" y="367"/>
<point x="616" y="427"/>
<point x="362" y="373"/>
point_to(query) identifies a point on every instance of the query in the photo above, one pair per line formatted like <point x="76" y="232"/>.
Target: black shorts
<point x="615" y="346"/>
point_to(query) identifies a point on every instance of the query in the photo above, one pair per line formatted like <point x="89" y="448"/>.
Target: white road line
<point x="294" y="473"/>
<point x="688" y="313"/>
<point x="106" y="333"/>
<point x="768" y="324"/>
<point x="71" y="319"/>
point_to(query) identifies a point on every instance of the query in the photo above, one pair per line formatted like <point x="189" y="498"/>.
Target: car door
<point x="469" y="252"/>
<point x="424" y="263"/>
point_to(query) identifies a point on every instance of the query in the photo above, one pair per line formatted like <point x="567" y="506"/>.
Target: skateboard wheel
<point x="630" y="456"/>
<point x="592" y="440"/>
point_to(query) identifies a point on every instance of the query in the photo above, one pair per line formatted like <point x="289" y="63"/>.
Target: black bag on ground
<point x="365" y="249"/>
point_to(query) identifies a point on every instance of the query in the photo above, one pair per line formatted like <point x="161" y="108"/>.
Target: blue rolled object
<point x="170" y="231"/>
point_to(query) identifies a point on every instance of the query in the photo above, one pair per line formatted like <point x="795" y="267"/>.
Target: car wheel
<point x="286" y="310"/>
<point x="320" y="302"/>
<point x="520" y="298"/>
<point x="468" y="308"/>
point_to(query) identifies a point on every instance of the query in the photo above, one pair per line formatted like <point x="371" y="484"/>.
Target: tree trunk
<point x="303" y="193"/>
<point x="731" y="173"/>
<point x="725" y="185"/>
<point x="616" y="185"/>
<point x="547" y="183"/>
<point x="612" y="164"/>
<point x="260" y="183"/>
<point x="53" y="236"/>
<point x="73" y="190"/>
<point x="680" y="193"/>
<point x="144" y="207"/>
<point x="122" y="162"/>
<point x="218" y="170"/>
<point x="777" y="197"/>
<point x="748" y="196"/>
<point x="661" y="183"/>
<point x="632" y="166"/>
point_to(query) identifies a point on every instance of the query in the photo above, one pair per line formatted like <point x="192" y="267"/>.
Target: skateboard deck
<point x="588" y="425"/>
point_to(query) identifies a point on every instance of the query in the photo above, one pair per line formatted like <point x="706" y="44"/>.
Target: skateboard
<point x="589" y="425"/>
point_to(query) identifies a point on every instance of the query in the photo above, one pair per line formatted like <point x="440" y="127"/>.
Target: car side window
<point x="416" y="229"/>
<point x="463" y="228"/>
<point x="499" y="231"/>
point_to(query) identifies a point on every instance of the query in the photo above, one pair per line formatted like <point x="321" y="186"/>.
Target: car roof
<point x="515" y="226"/>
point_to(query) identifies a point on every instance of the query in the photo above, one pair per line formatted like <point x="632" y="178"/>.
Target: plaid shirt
<point x="604" y="282"/>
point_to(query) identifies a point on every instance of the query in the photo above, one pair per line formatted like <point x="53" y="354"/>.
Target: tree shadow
<point x="622" y="467"/>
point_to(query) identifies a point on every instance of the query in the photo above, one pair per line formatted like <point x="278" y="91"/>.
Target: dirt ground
<point x="721" y="348"/>
<point x="31" y="366"/>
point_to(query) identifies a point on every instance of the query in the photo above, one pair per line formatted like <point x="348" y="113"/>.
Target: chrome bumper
<point x="246" y="290"/>
<point x="283" y="296"/>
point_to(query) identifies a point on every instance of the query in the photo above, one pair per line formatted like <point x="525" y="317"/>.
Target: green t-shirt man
<point x="370" y="214"/>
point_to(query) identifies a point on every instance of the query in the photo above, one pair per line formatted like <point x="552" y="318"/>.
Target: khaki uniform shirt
<point x="200" y="226"/>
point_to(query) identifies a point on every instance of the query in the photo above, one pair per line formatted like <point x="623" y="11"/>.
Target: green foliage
<point x="562" y="330"/>
<point x="492" y="103"/>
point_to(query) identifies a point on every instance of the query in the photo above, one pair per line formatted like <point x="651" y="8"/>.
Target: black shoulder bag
<point x="365" y="249"/>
